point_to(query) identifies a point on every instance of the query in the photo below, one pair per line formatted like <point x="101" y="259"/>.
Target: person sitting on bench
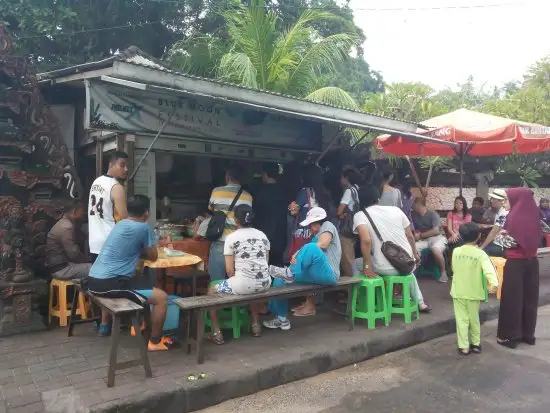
<point x="246" y="254"/>
<point x="315" y="263"/>
<point x="112" y="274"/>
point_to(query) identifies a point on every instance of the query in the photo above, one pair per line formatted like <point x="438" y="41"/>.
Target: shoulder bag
<point x="397" y="256"/>
<point x="345" y="225"/>
<point x="216" y="225"/>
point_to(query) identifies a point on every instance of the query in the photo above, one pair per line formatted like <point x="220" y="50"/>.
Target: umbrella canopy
<point x="477" y="133"/>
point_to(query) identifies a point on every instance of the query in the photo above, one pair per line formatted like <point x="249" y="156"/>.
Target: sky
<point x="495" y="41"/>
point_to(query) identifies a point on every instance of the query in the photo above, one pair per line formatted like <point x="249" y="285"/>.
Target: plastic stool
<point x="369" y="301"/>
<point x="62" y="309"/>
<point x="234" y="318"/>
<point x="407" y="305"/>
<point x="499" y="264"/>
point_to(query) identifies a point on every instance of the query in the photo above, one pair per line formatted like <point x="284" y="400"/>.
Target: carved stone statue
<point x="36" y="173"/>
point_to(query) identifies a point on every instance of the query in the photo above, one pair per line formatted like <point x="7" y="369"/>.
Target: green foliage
<point x="55" y="33"/>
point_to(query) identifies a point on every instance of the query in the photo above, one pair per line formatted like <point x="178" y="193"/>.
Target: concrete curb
<point x="203" y="394"/>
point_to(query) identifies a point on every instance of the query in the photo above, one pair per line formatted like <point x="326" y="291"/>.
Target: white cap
<point x="315" y="214"/>
<point x="499" y="194"/>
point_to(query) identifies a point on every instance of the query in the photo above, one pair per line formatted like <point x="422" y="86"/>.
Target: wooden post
<point x="120" y="141"/>
<point x="98" y="157"/>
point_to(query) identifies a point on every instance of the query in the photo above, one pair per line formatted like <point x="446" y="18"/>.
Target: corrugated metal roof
<point x="133" y="55"/>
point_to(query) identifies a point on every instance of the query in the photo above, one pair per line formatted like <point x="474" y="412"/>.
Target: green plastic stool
<point x="234" y="318"/>
<point x="407" y="305"/>
<point x="369" y="301"/>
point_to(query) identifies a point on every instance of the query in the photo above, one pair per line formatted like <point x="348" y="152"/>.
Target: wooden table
<point x="186" y="261"/>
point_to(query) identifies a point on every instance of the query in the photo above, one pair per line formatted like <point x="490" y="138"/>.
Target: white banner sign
<point x="113" y="107"/>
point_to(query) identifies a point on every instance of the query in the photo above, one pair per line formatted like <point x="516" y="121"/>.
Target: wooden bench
<point x="117" y="308"/>
<point x="196" y="306"/>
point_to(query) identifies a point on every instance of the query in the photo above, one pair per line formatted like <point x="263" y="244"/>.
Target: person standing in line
<point x="270" y="212"/>
<point x="220" y="200"/>
<point x="427" y="233"/>
<point x="472" y="271"/>
<point x="107" y="206"/>
<point x="349" y="204"/>
<point x="517" y="318"/>
<point x="389" y="196"/>
<point x="107" y="202"/>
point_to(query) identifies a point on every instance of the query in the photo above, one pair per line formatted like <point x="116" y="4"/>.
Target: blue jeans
<point x="216" y="261"/>
<point x="311" y="267"/>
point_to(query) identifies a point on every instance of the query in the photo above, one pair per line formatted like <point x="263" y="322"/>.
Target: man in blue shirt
<point x="112" y="274"/>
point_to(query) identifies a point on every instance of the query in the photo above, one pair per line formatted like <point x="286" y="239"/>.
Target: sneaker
<point x="104" y="330"/>
<point x="277" y="323"/>
<point x="281" y="273"/>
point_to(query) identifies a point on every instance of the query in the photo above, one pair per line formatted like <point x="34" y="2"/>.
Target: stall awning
<point x="135" y="70"/>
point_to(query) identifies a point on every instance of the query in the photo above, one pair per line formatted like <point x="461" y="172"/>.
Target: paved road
<point x="427" y="378"/>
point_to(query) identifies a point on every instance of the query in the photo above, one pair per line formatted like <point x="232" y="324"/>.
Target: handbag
<point x="345" y="225"/>
<point x="397" y="256"/>
<point x="216" y="225"/>
<point x="303" y="237"/>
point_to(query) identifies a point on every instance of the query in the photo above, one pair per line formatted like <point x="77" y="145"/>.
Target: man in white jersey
<point x="107" y="202"/>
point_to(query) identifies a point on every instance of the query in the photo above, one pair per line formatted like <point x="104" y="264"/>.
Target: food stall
<point x="181" y="131"/>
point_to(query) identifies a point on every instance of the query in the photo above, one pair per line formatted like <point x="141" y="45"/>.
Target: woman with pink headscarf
<point x="520" y="286"/>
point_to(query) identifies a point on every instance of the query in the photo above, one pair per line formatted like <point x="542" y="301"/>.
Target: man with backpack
<point x="223" y="200"/>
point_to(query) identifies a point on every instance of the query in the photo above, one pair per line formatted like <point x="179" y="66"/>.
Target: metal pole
<point x="150" y="146"/>
<point x="461" y="155"/>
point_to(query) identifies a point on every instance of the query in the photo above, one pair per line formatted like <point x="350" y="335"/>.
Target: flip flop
<point x="311" y="313"/>
<point x="297" y="308"/>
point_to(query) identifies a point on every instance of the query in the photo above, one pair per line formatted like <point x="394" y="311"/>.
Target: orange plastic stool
<point x="62" y="308"/>
<point x="499" y="263"/>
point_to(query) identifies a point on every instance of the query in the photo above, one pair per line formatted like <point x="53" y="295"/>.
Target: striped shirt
<point x="221" y="199"/>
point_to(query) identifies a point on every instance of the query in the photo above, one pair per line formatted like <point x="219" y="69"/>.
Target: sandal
<point x="308" y="314"/>
<point x="297" y="308"/>
<point x="511" y="344"/>
<point x="426" y="310"/>
<point x="216" y="338"/>
<point x="256" y="330"/>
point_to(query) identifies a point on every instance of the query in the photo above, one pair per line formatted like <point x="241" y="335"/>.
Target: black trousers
<point x="519" y="299"/>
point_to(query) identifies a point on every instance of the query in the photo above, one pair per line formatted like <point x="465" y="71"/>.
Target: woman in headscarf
<point x="544" y="207"/>
<point x="520" y="287"/>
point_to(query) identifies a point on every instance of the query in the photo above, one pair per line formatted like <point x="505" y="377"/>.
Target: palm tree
<point x="261" y="56"/>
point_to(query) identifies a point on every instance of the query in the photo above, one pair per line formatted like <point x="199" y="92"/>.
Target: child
<point x="472" y="269"/>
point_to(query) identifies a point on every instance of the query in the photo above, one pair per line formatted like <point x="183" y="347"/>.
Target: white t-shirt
<point x="101" y="212"/>
<point x="250" y="247"/>
<point x="349" y="199"/>
<point x="500" y="218"/>
<point x="391" y="223"/>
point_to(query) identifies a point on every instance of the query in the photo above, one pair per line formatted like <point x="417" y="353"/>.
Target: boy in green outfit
<point x="472" y="269"/>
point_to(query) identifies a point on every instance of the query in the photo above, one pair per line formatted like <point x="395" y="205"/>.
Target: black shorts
<point x="118" y="287"/>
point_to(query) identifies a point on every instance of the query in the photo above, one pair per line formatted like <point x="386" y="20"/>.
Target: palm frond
<point x="321" y="56"/>
<point x="238" y="68"/>
<point x="196" y="55"/>
<point x="252" y="31"/>
<point x="333" y="96"/>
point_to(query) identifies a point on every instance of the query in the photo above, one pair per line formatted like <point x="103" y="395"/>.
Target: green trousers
<point x="468" y="330"/>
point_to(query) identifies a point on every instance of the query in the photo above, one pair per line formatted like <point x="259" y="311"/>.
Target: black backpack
<point x="216" y="225"/>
